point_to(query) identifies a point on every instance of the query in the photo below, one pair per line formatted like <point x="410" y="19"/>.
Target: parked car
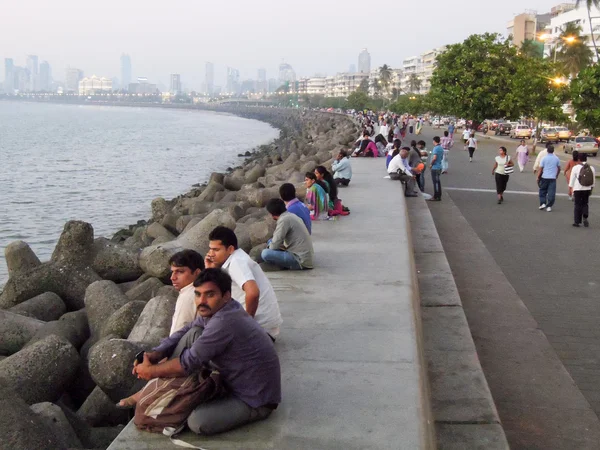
<point x="583" y="144"/>
<point x="549" y="135"/>
<point x="503" y="128"/>
<point x="521" y="131"/>
<point x="563" y="133"/>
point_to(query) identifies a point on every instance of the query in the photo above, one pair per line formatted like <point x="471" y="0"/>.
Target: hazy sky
<point x="179" y="36"/>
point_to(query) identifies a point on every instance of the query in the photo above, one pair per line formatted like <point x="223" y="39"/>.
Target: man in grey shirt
<point x="291" y="246"/>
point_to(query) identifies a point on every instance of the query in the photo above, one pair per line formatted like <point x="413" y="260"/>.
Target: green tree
<point x="472" y="78"/>
<point x="589" y="4"/>
<point x="585" y="92"/>
<point x="364" y="86"/>
<point x="572" y="51"/>
<point x="376" y="86"/>
<point x="358" y="100"/>
<point x="414" y="83"/>
<point x="532" y="48"/>
<point x="385" y="77"/>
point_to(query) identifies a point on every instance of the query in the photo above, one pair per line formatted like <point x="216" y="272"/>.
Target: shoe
<point x="542" y="206"/>
<point x="549" y="208"/>
<point x="576" y="225"/>
<point x="570" y="198"/>
<point x="499" y="202"/>
<point x="586" y="223"/>
<point x="470" y="159"/>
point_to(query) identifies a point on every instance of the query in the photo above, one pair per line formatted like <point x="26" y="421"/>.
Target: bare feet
<point x="129" y="402"/>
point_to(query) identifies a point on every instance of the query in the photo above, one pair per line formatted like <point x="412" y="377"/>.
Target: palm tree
<point x="414" y="83"/>
<point x="589" y="4"/>
<point x="385" y="76"/>
<point x="572" y="51"/>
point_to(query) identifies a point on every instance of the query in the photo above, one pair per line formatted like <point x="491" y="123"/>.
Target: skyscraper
<point x="209" y="78"/>
<point x="352" y="68"/>
<point x="233" y="81"/>
<point x="175" y="84"/>
<point x="72" y="78"/>
<point x="125" y="71"/>
<point x="9" y="76"/>
<point x="261" y="83"/>
<point x="45" y="79"/>
<point x="32" y="67"/>
<point x="286" y="74"/>
<point x="364" y="61"/>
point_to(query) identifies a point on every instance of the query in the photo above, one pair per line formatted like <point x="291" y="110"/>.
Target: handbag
<point x="508" y="169"/>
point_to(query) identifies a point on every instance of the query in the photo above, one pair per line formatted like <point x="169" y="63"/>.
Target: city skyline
<point x="158" y="49"/>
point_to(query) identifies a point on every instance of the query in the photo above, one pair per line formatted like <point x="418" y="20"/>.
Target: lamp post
<point x="552" y="41"/>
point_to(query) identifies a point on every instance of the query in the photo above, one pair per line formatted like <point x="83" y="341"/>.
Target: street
<point x="526" y="278"/>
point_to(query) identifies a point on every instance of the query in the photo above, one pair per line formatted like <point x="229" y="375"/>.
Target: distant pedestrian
<point x="384" y="129"/>
<point x="522" y="155"/>
<point x="572" y="163"/>
<point x="548" y="173"/>
<point x="503" y="167"/>
<point x="581" y="182"/>
<point x="436" y="169"/>
<point x="466" y="135"/>
<point x="446" y="144"/>
<point x="471" y="146"/>
<point x="451" y="130"/>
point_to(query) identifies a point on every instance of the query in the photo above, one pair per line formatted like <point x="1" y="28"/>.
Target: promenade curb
<point x="462" y="405"/>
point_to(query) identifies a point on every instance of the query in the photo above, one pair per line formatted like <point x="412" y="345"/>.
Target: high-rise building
<point x="364" y="61"/>
<point x="72" y="78"/>
<point x="261" y="84"/>
<point x="286" y="74"/>
<point x="32" y="67"/>
<point x="45" y="78"/>
<point x="209" y="78"/>
<point x="9" y="76"/>
<point x="142" y="87"/>
<point x="522" y="28"/>
<point x="273" y="85"/>
<point x="233" y="81"/>
<point x="125" y="71"/>
<point x="175" y="84"/>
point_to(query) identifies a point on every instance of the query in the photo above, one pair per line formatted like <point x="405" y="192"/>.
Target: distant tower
<point x="32" y="67"/>
<point x="45" y="77"/>
<point x="364" y="61"/>
<point x="175" y="84"/>
<point x="9" y="76"/>
<point x="125" y="71"/>
<point x="261" y="83"/>
<point x="209" y="78"/>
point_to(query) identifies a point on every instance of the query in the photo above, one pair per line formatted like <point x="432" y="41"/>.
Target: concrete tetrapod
<point x="47" y="306"/>
<point x="154" y="323"/>
<point x="102" y="299"/>
<point x="72" y="326"/>
<point x="41" y="372"/>
<point x="115" y="262"/>
<point x="57" y="422"/>
<point x="16" y="331"/>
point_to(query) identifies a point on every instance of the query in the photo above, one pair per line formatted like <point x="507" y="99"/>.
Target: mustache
<point x="204" y="306"/>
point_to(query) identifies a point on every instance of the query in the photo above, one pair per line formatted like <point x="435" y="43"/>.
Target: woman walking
<point x="522" y="155"/>
<point x="503" y="167"/>
<point x="471" y="146"/>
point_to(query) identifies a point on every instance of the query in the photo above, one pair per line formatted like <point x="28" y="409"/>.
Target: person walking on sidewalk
<point x="436" y="169"/>
<point x="568" y="168"/>
<point x="471" y="146"/>
<point x="503" y="167"/>
<point x="446" y="144"/>
<point x="581" y="183"/>
<point x="547" y="175"/>
<point x="522" y="155"/>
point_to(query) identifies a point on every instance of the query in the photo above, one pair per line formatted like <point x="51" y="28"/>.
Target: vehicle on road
<point x="503" y="128"/>
<point x="563" y="134"/>
<point x="521" y="131"/>
<point x="583" y="144"/>
<point x="549" y="135"/>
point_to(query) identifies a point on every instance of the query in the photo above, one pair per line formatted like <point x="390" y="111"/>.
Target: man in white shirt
<point x="399" y="169"/>
<point x="250" y="287"/>
<point x="186" y="265"/>
<point x="582" y="192"/>
<point x="466" y="135"/>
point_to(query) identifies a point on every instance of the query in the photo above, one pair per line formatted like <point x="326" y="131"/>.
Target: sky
<point x="179" y="36"/>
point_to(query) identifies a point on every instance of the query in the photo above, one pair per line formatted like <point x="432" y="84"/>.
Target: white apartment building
<point x="428" y="66"/>
<point x="562" y="16"/>
<point x="316" y="86"/>
<point x="95" y="85"/>
<point x="410" y="66"/>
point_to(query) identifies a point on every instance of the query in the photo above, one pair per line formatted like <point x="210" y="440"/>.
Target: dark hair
<point x="225" y="235"/>
<point x="276" y="207"/>
<point x="310" y="175"/>
<point x="582" y="157"/>
<point x="437" y="139"/>
<point x="423" y="143"/>
<point x="380" y="138"/>
<point x="413" y="144"/>
<point x="329" y="178"/>
<point x="503" y="149"/>
<point x="365" y="132"/>
<point x="551" y="149"/>
<point x="575" y="155"/>
<point x="343" y="153"/>
<point x="287" y="192"/>
<point x="445" y="134"/>
<point x="217" y="276"/>
<point x="397" y="143"/>
<point x="406" y="148"/>
<point x="395" y="152"/>
<point x="187" y="258"/>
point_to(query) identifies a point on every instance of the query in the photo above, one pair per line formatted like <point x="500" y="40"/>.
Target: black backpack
<point x="586" y="176"/>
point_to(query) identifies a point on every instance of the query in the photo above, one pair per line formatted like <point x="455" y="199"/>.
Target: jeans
<point x="224" y="414"/>
<point x="581" y="199"/>
<point x="421" y="180"/>
<point x="437" y="185"/>
<point x="445" y="161"/>
<point x="471" y="151"/>
<point x="547" y="191"/>
<point x="280" y="258"/>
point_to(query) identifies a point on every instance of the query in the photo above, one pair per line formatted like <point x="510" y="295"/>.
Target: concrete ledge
<point x="351" y="349"/>
<point x="462" y="405"/>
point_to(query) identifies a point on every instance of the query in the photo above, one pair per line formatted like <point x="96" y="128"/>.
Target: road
<point x="528" y="281"/>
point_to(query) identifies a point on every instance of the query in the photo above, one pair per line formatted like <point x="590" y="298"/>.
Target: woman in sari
<point x="522" y="155"/>
<point x="316" y="198"/>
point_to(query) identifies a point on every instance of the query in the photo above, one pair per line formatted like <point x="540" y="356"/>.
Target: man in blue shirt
<point x="547" y="175"/>
<point x="287" y="192"/>
<point x="436" y="169"/>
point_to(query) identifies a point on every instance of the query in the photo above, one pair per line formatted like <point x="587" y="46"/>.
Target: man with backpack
<point x="582" y="181"/>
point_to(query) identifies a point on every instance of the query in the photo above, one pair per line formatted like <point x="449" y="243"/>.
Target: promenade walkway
<point x="350" y="346"/>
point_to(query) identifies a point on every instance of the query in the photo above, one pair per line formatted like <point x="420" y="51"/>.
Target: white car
<point x="521" y="131"/>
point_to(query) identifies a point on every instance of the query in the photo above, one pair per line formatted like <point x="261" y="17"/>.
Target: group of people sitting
<point x="408" y="164"/>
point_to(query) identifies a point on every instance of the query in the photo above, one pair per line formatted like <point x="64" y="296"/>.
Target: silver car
<point x="583" y="144"/>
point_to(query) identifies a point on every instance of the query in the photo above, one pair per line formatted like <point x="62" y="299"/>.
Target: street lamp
<point x="547" y="37"/>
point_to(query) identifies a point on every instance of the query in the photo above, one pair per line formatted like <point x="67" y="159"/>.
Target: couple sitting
<point x="400" y="168"/>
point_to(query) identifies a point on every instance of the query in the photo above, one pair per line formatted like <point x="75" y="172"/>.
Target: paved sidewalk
<point x="350" y="345"/>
